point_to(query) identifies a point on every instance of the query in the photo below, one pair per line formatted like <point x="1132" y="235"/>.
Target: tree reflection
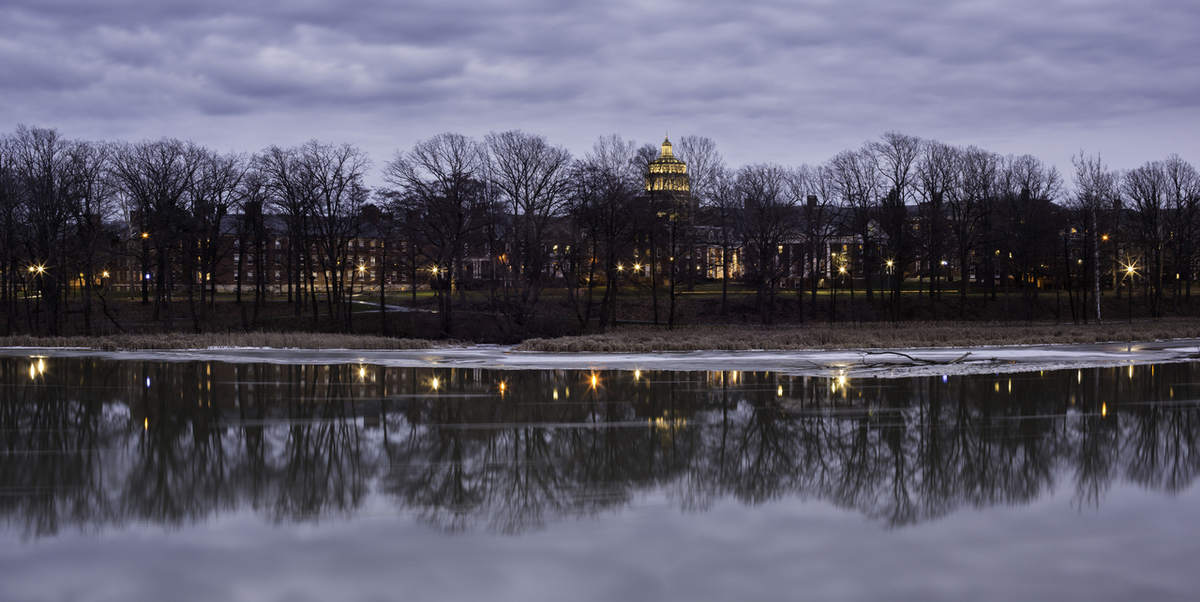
<point x="89" y="443"/>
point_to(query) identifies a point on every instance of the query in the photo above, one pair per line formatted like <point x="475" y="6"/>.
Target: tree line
<point x="512" y="215"/>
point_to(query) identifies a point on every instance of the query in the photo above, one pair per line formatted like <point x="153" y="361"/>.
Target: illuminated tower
<point x="667" y="174"/>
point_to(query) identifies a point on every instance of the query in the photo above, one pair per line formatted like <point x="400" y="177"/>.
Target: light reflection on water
<point x="99" y="448"/>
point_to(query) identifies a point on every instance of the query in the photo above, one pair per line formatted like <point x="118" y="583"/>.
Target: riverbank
<point x="877" y="335"/>
<point x="179" y="341"/>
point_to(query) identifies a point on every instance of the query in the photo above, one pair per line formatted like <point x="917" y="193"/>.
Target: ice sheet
<point x="852" y="362"/>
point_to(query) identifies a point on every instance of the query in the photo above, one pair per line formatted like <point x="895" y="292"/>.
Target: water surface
<point x="144" y="480"/>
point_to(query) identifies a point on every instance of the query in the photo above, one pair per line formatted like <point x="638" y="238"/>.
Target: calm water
<point x="215" y="481"/>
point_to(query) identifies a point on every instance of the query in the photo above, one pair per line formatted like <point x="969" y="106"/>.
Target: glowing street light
<point x="1130" y="273"/>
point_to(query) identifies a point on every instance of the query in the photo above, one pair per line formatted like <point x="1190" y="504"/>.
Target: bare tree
<point x="253" y="234"/>
<point x="213" y="194"/>
<point x="442" y="183"/>
<point x="969" y="209"/>
<point x="1147" y="188"/>
<point x="820" y="224"/>
<point x="1183" y="203"/>
<point x="41" y="157"/>
<point x="858" y="184"/>
<point x="1028" y="225"/>
<point x="705" y="166"/>
<point x="288" y="196"/>
<point x="157" y="175"/>
<point x="937" y="174"/>
<point x="1094" y="195"/>
<point x="334" y="176"/>
<point x="604" y="193"/>
<point x="11" y="210"/>
<point x="721" y="210"/>
<point x="532" y="179"/>
<point x="896" y="156"/>
<point x="767" y="218"/>
<point x="89" y="197"/>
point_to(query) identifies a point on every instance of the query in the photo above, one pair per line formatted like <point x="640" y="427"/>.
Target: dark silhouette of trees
<point x="1096" y="192"/>
<point x="531" y="179"/>
<point x="442" y="185"/>
<point x="896" y="158"/>
<point x="334" y="177"/>
<point x="937" y="175"/>
<point x="158" y="175"/>
<point x="1183" y="209"/>
<point x="768" y="217"/>
<point x="514" y="214"/>
<point x="603" y="195"/>
<point x="858" y="184"/>
<point x="287" y="195"/>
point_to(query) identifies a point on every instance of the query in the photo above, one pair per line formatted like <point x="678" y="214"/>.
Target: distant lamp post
<point x="38" y="271"/>
<point x="1130" y="273"/>
<point x="145" y="268"/>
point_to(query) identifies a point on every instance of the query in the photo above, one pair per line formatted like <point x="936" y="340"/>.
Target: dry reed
<point x="862" y="336"/>
<point x="275" y="340"/>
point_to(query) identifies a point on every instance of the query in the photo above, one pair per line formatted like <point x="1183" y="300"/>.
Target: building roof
<point x="666" y="172"/>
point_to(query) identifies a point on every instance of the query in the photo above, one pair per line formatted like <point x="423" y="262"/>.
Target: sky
<point x="790" y="82"/>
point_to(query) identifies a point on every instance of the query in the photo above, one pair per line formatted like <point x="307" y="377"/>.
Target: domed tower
<point x="666" y="173"/>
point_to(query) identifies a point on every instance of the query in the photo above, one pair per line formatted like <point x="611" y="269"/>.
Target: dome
<point x="666" y="172"/>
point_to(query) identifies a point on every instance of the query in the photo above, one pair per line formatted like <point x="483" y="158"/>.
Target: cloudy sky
<point x="788" y="81"/>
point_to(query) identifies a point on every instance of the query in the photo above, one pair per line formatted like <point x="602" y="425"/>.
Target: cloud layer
<point x="769" y="81"/>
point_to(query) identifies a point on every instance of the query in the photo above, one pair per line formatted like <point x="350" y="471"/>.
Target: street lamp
<point x="1130" y="272"/>
<point x="145" y="268"/>
<point x="38" y="271"/>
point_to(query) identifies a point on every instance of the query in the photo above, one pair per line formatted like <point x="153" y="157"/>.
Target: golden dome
<point x="666" y="172"/>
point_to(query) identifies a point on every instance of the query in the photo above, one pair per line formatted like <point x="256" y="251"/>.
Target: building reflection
<point x="90" y="444"/>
